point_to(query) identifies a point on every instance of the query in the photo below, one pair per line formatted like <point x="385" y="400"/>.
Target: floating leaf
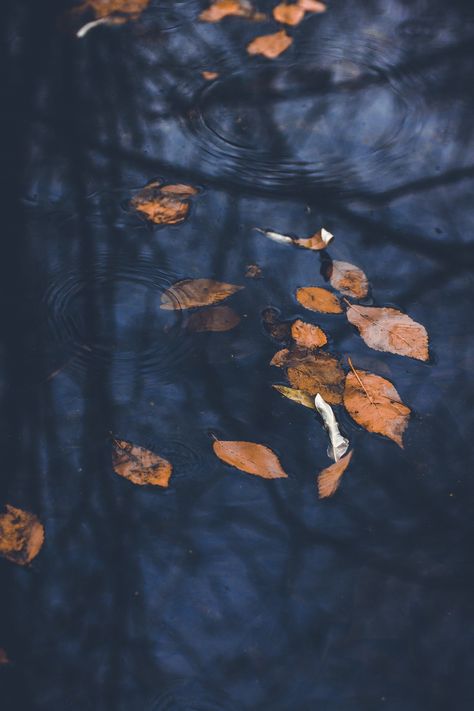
<point x="319" y="373"/>
<point x="279" y="330"/>
<point x="105" y="8"/>
<point x="214" y="318"/>
<point x="188" y="293"/>
<point x="253" y="271"/>
<point x="225" y="8"/>
<point x="348" y="279"/>
<point x="298" y="396"/>
<point x="209" y="76"/>
<point x="164" y="204"/>
<point x="139" y="465"/>
<point x="271" y="46"/>
<point x="3" y="657"/>
<point x="320" y="240"/>
<point x="307" y="335"/>
<point x="251" y="458"/>
<point x="317" y="299"/>
<point x="312" y="5"/>
<point x="339" y="444"/>
<point x="374" y="404"/>
<point x="179" y="190"/>
<point x="329" y="478"/>
<point x="288" y="14"/>
<point x="21" y="535"/>
<point x="390" y="330"/>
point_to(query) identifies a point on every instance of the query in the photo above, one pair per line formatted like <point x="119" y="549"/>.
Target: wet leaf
<point x="390" y="330"/>
<point x="214" y="318"/>
<point x="312" y="5"/>
<point x="315" y="298"/>
<point x="320" y="240"/>
<point x="349" y="279"/>
<point x="307" y="335"/>
<point x="339" y="444"/>
<point x="3" y="657"/>
<point x="329" y="479"/>
<point x="164" y="204"/>
<point x="291" y="356"/>
<point x="179" y="190"/>
<point x="251" y="458"/>
<point x="190" y="293"/>
<point x="374" y="404"/>
<point x="319" y="373"/>
<point x="288" y="13"/>
<point x="21" y="535"/>
<point x="209" y="76"/>
<point x="298" y="396"/>
<point x="270" y="46"/>
<point x="105" y="8"/>
<point x="253" y="271"/>
<point x="139" y="465"/>
<point x="273" y="325"/>
<point x="225" y="8"/>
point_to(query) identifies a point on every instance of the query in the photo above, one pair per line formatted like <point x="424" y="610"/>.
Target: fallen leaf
<point x="374" y="404"/>
<point x="104" y="8"/>
<point x="213" y="318"/>
<point x="298" y="396"/>
<point x="329" y="478"/>
<point x="390" y="330"/>
<point x="320" y="240"/>
<point x="164" y="204"/>
<point x="320" y="373"/>
<point x="139" y="465"/>
<point x="253" y="271"/>
<point x="270" y="46"/>
<point x="339" y="444"/>
<point x="312" y="5"/>
<point x="209" y="76"/>
<point x="21" y="535"/>
<point x="251" y="458"/>
<point x="288" y="14"/>
<point x="291" y="356"/>
<point x="348" y="279"/>
<point x="225" y="8"/>
<point x="307" y="335"/>
<point x="3" y="657"/>
<point x="273" y="325"/>
<point x="315" y="298"/>
<point x="190" y="293"/>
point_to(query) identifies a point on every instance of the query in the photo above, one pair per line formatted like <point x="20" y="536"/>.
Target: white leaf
<point x="339" y="444"/>
<point x="326" y="236"/>
<point x="276" y="236"/>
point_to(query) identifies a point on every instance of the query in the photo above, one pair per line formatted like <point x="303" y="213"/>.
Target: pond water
<point x="226" y="592"/>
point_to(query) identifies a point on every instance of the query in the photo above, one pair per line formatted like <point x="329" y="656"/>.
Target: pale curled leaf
<point x="139" y="465"/>
<point x="390" y="330"/>
<point x="276" y="236"/>
<point x="339" y="444"/>
<point x="320" y="240"/>
<point x="329" y="479"/>
<point x="213" y="318"/>
<point x="316" y="298"/>
<point x="348" y="279"/>
<point x="298" y="396"/>
<point x="270" y="46"/>
<point x="251" y="458"/>
<point x="190" y="293"/>
<point x="21" y="535"/>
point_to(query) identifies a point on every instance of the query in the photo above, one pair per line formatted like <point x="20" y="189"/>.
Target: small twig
<point x="359" y="380"/>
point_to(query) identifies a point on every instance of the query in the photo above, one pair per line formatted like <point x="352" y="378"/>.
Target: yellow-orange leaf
<point x="312" y="5"/>
<point x="390" y="330"/>
<point x="225" y="8"/>
<point x="214" y="318"/>
<point x="251" y="458"/>
<point x="139" y="465"/>
<point x="329" y="478"/>
<point x="270" y="46"/>
<point x="318" y="373"/>
<point x="320" y="240"/>
<point x="308" y="336"/>
<point x="317" y="299"/>
<point x="104" y="8"/>
<point x="21" y="535"/>
<point x="374" y="404"/>
<point x="298" y="396"/>
<point x="189" y="293"/>
<point x="288" y="14"/>
<point x="349" y="279"/>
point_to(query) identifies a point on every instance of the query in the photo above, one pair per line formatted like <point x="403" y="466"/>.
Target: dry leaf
<point x="312" y="5"/>
<point x="253" y="271"/>
<point x="320" y="240"/>
<point x="288" y="14"/>
<point x="317" y="299"/>
<point x="319" y="373"/>
<point x="329" y="478"/>
<point x="3" y="657"/>
<point x="225" y="8"/>
<point x="374" y="404"/>
<point x="339" y="444"/>
<point x="139" y="465"/>
<point x="298" y="396"/>
<point x="164" y="204"/>
<point x="349" y="279"/>
<point x="214" y="318"/>
<point x="308" y="336"/>
<point x="105" y="8"/>
<point x="279" y="330"/>
<point x="188" y="293"/>
<point x="390" y="330"/>
<point x="209" y="76"/>
<point x="270" y="46"/>
<point x="21" y="535"/>
<point x="251" y="458"/>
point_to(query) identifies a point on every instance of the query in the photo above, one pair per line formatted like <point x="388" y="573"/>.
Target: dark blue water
<point x="226" y="592"/>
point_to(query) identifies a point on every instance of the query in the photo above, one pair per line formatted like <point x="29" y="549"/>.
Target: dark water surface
<point x="226" y="592"/>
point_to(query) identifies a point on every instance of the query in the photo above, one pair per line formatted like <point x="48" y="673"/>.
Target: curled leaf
<point x="139" y="465"/>
<point x="339" y="444"/>
<point x="329" y="479"/>
<point x="348" y="279"/>
<point x="164" y="204"/>
<point x="318" y="373"/>
<point x="21" y="535"/>
<point x="390" y="330"/>
<point x="189" y="293"/>
<point x="298" y="396"/>
<point x="251" y="458"/>
<point x="276" y="236"/>
<point x="213" y="318"/>
<point x="320" y="240"/>
<point x="315" y="298"/>
<point x="288" y="13"/>
<point x="307" y="335"/>
<point x="225" y="8"/>
<point x="270" y="46"/>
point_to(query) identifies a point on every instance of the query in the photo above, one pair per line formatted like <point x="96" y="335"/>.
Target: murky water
<point x="225" y="591"/>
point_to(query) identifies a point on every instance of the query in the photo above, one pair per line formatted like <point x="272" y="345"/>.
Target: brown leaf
<point x="288" y="14"/>
<point x="139" y="465"/>
<point x="251" y="458"/>
<point x="190" y="293"/>
<point x="312" y="5"/>
<point x="319" y="373"/>
<point x="164" y="204"/>
<point x="3" y="657"/>
<point x="278" y="329"/>
<point x="390" y="330"/>
<point x="214" y="318"/>
<point x="329" y="478"/>
<point x="105" y="8"/>
<point x="179" y="190"/>
<point x="317" y="299"/>
<point x="291" y="356"/>
<point x="298" y="396"/>
<point x="225" y="8"/>
<point x="374" y="404"/>
<point x="21" y="535"/>
<point x="209" y="76"/>
<point x="349" y="279"/>
<point x="320" y="240"/>
<point x="253" y="271"/>
<point x="307" y="335"/>
<point x="271" y="46"/>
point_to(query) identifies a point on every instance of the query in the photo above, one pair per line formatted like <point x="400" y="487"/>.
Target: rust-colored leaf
<point x="164" y="204"/>
<point x="270" y="46"/>
<point x="374" y="404"/>
<point x="21" y="535"/>
<point x="251" y="458"/>
<point x="298" y="396"/>
<point x="190" y="293"/>
<point x="319" y="373"/>
<point x="390" y="330"/>
<point x="139" y="465"/>
<point x="312" y="5"/>
<point x="225" y="8"/>
<point x="288" y="13"/>
<point x="273" y="325"/>
<point x="179" y="190"/>
<point x="308" y="336"/>
<point x="105" y="8"/>
<point x="213" y="318"/>
<point x="349" y="279"/>
<point x="329" y="479"/>
<point x="209" y="76"/>
<point x="3" y="657"/>
<point x="317" y="299"/>
<point x="291" y="356"/>
<point x="253" y="271"/>
<point x="320" y="240"/>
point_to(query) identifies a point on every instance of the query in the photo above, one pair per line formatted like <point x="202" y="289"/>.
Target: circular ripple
<point x="191" y="697"/>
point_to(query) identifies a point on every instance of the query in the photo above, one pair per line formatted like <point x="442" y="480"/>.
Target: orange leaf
<point x="288" y="14"/>
<point x="320" y="240"/>
<point x="251" y="458"/>
<point x="188" y="293"/>
<point x="291" y="356"/>
<point x="390" y="330"/>
<point x="318" y="373"/>
<point x="209" y="76"/>
<point x="139" y="465"/>
<point x="224" y="8"/>
<point x="104" y="8"/>
<point x="317" y="299"/>
<point x="349" y="279"/>
<point x="214" y="318"/>
<point x="307" y="335"/>
<point x="329" y="478"/>
<point x="179" y="190"/>
<point x="21" y="535"/>
<point x="312" y="5"/>
<point x="164" y="205"/>
<point x="271" y="46"/>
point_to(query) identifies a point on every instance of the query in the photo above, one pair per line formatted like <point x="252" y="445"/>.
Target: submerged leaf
<point x="307" y="335"/>
<point x="225" y="8"/>
<point x="273" y="325"/>
<point x="164" y="204"/>
<point x="318" y="373"/>
<point x="251" y="458"/>
<point x="3" y="657"/>
<point x="270" y="46"/>
<point x="298" y="396"/>
<point x="317" y="299"/>
<point x="139" y="465"/>
<point x="288" y="13"/>
<point x="390" y="330"/>
<point x="329" y="479"/>
<point x="188" y="293"/>
<point x="349" y="279"/>
<point x="290" y="356"/>
<point x="21" y="535"/>
<point x="214" y="318"/>
<point x="179" y="190"/>
<point x="339" y="444"/>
